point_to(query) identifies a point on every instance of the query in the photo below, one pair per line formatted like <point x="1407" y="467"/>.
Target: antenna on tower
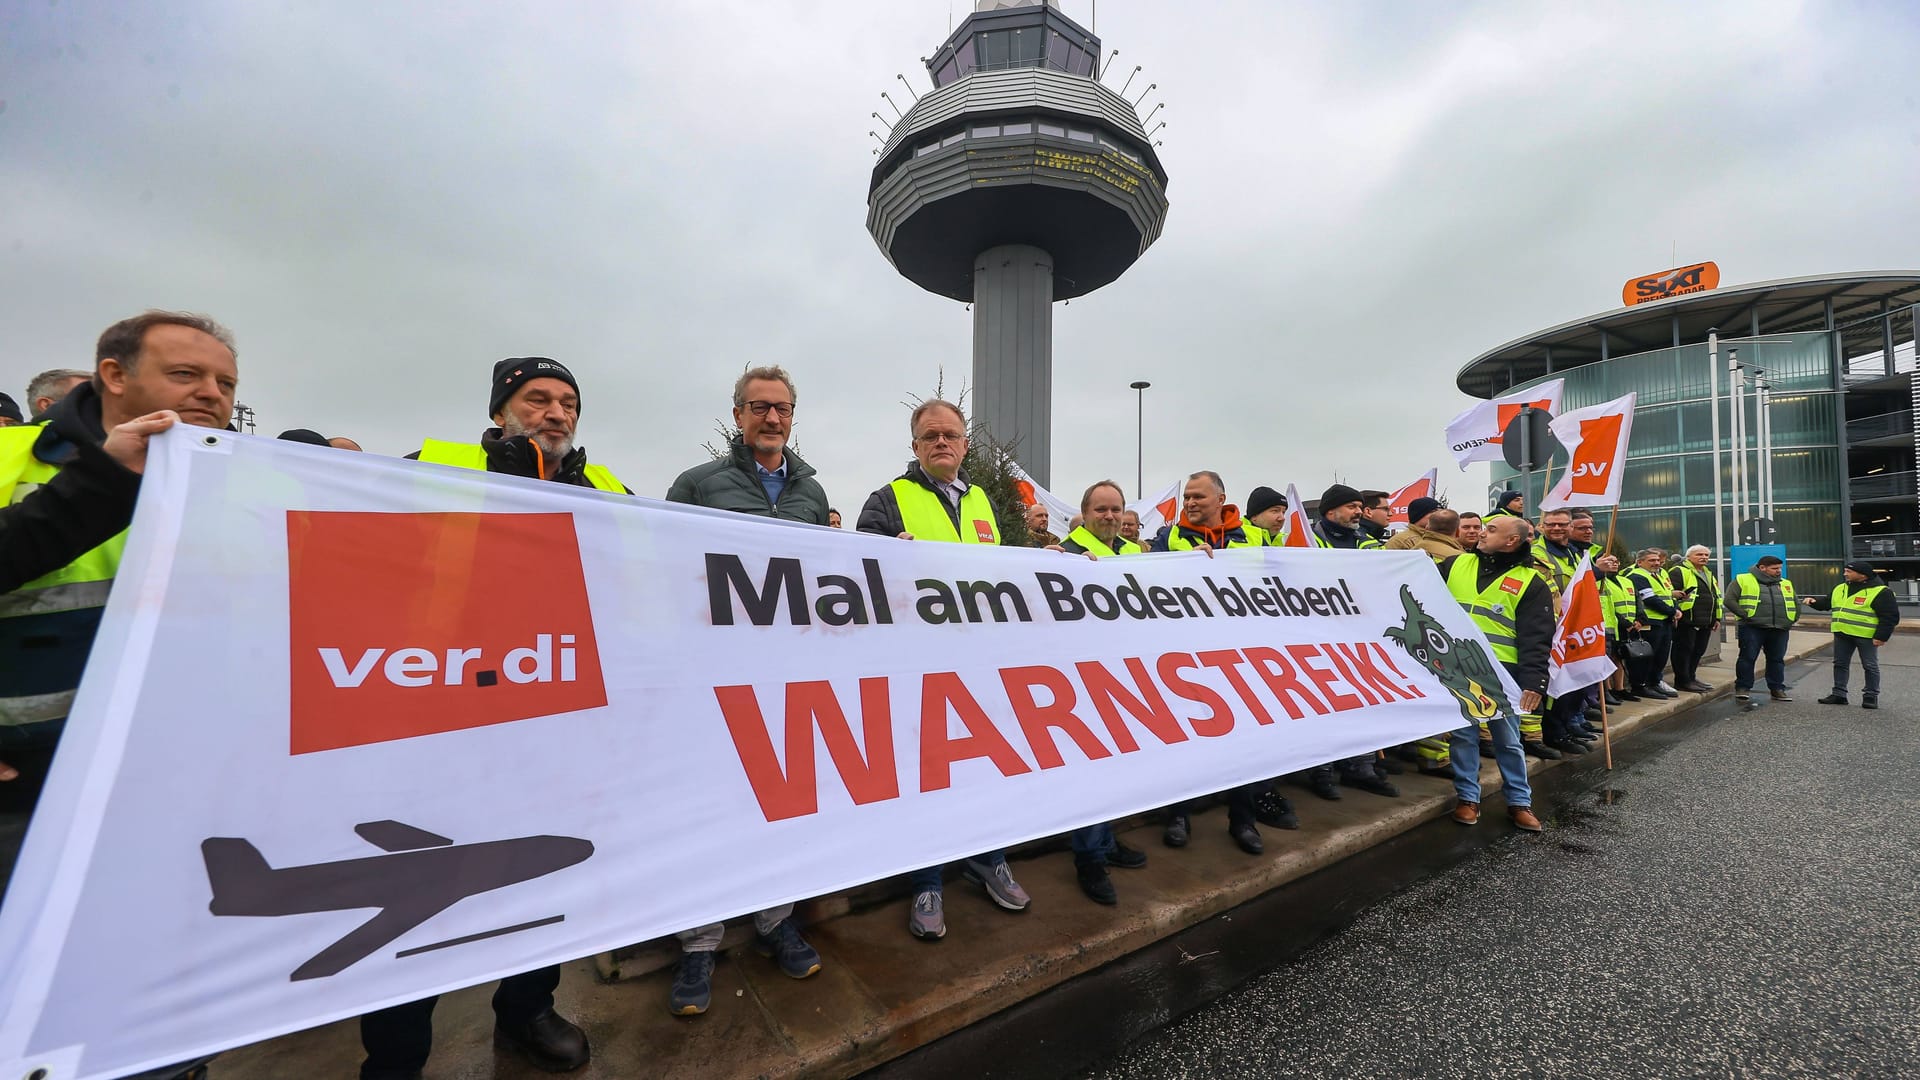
<point x="896" y="108"/>
<point x="908" y="85"/>
<point x="1129" y="82"/>
<point x="883" y="120"/>
<point x="1143" y="94"/>
<point x="1157" y="106"/>
<point x="1103" y="67"/>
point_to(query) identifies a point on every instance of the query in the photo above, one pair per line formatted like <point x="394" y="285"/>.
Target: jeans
<point x="1844" y="646"/>
<point x="930" y="878"/>
<point x="1658" y="634"/>
<point x="1093" y="844"/>
<point x="1506" y="752"/>
<point x="398" y="1039"/>
<point x="1689" y="648"/>
<point x="707" y="938"/>
<point x="1755" y="639"/>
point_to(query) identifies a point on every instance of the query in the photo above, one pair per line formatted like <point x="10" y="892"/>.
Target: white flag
<point x="1474" y="435"/>
<point x="1060" y="512"/>
<point x="1580" y="640"/>
<point x="1422" y="488"/>
<point x="1161" y="508"/>
<point x="1596" y="441"/>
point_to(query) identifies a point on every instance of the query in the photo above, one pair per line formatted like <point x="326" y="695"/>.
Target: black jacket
<point x="1337" y="536"/>
<point x="516" y="455"/>
<point x="733" y="483"/>
<point x="87" y="502"/>
<point x="1533" y="621"/>
<point x="881" y="514"/>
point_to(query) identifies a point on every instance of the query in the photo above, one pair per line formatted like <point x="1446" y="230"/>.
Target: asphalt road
<point x="1744" y="902"/>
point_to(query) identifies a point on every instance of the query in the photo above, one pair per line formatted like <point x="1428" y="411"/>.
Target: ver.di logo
<point x="404" y="625"/>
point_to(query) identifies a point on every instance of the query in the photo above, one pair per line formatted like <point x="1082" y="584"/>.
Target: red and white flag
<point x="1474" y="435"/>
<point x="1422" y="488"/>
<point x="1596" y="441"/>
<point x="1059" y="511"/>
<point x="1158" y="509"/>
<point x="1297" y="530"/>
<point x="1580" y="641"/>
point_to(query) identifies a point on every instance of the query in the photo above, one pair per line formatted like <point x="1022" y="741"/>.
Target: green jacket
<point x="733" y="483"/>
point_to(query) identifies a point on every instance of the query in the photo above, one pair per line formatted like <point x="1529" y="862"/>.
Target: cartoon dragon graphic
<point x="1461" y="664"/>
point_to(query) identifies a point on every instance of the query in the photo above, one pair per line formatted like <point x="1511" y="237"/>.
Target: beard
<point x="554" y="444"/>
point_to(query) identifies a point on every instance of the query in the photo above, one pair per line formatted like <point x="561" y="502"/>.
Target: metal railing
<point x="1880" y="427"/>
<point x="1887" y="546"/>
<point x="1882" y="485"/>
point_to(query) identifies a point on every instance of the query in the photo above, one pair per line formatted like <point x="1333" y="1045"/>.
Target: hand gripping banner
<point x="358" y="730"/>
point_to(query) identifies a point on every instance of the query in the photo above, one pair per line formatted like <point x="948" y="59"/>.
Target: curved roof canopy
<point x="1768" y="307"/>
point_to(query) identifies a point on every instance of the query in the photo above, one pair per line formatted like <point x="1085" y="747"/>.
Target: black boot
<point x="1176" y="831"/>
<point x="549" y="1041"/>
<point x="1095" y="882"/>
<point x="1540" y="750"/>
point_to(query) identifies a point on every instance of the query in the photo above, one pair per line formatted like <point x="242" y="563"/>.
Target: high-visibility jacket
<point x="1562" y="569"/>
<point x="474" y="456"/>
<point x="1496" y="610"/>
<point x="57" y="612"/>
<point x="1853" y="611"/>
<point x="1696" y="581"/>
<point x="1744" y="597"/>
<point x="1621" y="604"/>
<point x="1251" y="535"/>
<point x="1643" y="578"/>
<point x="1081" y="541"/>
<point x="923" y="513"/>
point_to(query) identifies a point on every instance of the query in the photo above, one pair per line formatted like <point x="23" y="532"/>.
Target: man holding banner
<point x="1510" y="602"/>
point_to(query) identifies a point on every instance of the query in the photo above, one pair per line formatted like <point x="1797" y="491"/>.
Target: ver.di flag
<point x="1156" y="510"/>
<point x="1580" y="640"/>
<point x="1422" y="488"/>
<point x="1296" y="530"/>
<point x="1596" y="440"/>
<point x="317" y="766"/>
<point x="1474" y="435"/>
<point x="1059" y="511"/>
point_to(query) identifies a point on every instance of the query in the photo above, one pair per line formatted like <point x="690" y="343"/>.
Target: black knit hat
<point x="1263" y="498"/>
<point x="514" y="372"/>
<point x="10" y="409"/>
<point x="1506" y="497"/>
<point x="1418" y="509"/>
<point x="1862" y="568"/>
<point x="1339" y="495"/>
<point x="303" y="435"/>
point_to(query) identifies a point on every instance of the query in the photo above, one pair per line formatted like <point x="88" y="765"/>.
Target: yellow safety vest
<point x="1647" y="579"/>
<point x="1616" y="596"/>
<point x="1694" y="580"/>
<point x="1562" y="568"/>
<point x="474" y="456"/>
<point x="1096" y="547"/>
<point x="924" y="514"/>
<point x="1496" y="610"/>
<point x="1746" y="604"/>
<point x="54" y="599"/>
<point x="1254" y="534"/>
<point x="1853" y="611"/>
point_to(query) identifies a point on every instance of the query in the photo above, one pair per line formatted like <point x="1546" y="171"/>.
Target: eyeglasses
<point x="783" y="409"/>
<point x="935" y="438"/>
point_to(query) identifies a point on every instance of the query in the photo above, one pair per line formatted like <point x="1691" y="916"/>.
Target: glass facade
<point x="1667" y="498"/>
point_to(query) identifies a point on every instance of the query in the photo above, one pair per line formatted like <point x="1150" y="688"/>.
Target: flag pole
<point x="1606" y="734"/>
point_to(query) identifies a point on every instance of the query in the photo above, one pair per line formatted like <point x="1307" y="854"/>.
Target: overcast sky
<point x="383" y="199"/>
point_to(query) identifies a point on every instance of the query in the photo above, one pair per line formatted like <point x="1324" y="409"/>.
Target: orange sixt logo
<point x="404" y="625"/>
<point x="1677" y="282"/>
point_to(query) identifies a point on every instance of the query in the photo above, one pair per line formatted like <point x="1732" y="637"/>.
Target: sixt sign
<point x="1686" y="279"/>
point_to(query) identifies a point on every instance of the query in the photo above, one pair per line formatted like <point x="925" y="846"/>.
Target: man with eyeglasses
<point x="934" y="500"/>
<point x="760" y="475"/>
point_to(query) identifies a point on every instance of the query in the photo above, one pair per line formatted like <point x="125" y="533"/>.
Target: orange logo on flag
<point x="1594" y="460"/>
<point x="1583" y="628"/>
<point x="1504" y="414"/>
<point x="404" y="625"/>
<point x="1025" y="491"/>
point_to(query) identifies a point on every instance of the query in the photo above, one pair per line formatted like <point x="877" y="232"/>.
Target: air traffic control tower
<point x="1018" y="181"/>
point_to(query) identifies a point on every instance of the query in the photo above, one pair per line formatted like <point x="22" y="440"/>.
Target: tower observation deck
<point x="1018" y="181"/>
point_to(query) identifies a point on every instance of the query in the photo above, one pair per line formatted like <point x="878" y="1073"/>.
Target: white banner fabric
<point x="1596" y="439"/>
<point x="1157" y="510"/>
<point x="1060" y="512"/>
<point x="1474" y="435"/>
<point x="359" y="730"/>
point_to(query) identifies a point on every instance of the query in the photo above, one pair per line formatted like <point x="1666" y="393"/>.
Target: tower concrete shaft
<point x="1013" y="352"/>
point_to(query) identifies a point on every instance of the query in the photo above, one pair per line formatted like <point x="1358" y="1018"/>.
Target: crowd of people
<point x="71" y="473"/>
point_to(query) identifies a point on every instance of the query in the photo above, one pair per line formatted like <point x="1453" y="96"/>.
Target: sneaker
<point x="1095" y="882"/>
<point x="1175" y="834"/>
<point x="927" y="919"/>
<point x="999" y="883"/>
<point x="1778" y="695"/>
<point x="1834" y="699"/>
<point x="1126" y="858"/>
<point x="1270" y="808"/>
<point x="785" y="946"/>
<point x="1372" y="783"/>
<point x="692" y="984"/>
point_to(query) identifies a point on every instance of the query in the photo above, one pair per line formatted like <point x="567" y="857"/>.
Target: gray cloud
<point x="383" y="200"/>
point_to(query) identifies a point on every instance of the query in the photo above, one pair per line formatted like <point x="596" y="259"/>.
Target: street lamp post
<point x="1139" y="434"/>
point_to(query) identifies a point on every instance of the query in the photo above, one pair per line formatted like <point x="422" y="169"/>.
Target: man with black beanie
<point x="10" y="412"/>
<point x="1266" y="509"/>
<point x="1865" y="615"/>
<point x="536" y="404"/>
<point x="1510" y="503"/>
<point x="1336" y="521"/>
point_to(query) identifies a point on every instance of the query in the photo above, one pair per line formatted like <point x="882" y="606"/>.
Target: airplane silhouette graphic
<point x="422" y="875"/>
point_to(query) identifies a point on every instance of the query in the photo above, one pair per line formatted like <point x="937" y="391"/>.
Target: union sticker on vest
<point x="983" y="531"/>
<point x="1511" y="585"/>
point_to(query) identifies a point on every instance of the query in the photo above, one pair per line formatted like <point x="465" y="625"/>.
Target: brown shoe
<point x="1522" y="818"/>
<point x="1467" y="813"/>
